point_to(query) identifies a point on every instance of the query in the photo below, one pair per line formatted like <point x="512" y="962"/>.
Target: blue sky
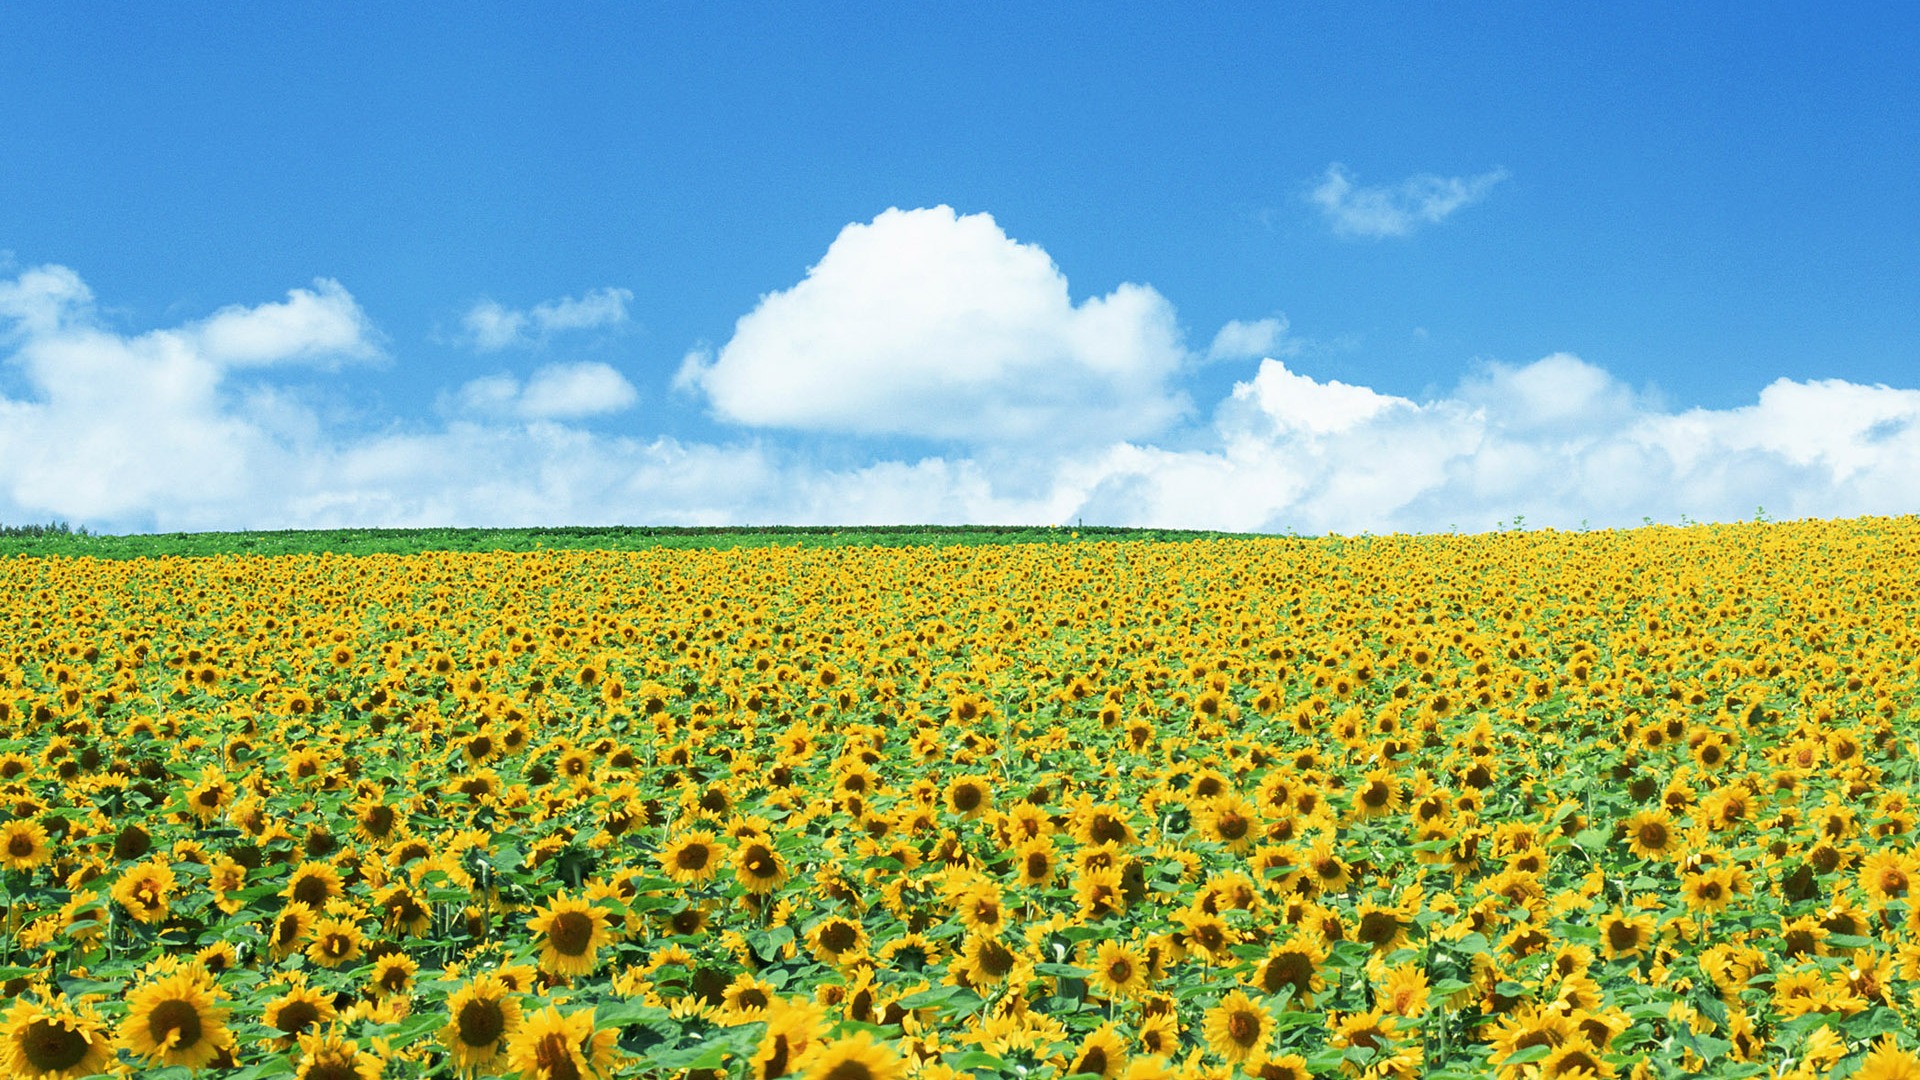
<point x="1631" y="261"/>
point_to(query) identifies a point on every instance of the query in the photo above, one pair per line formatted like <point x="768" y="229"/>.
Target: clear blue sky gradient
<point x="1699" y="198"/>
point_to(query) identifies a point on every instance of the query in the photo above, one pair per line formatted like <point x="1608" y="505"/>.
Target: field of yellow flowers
<point x="1521" y="804"/>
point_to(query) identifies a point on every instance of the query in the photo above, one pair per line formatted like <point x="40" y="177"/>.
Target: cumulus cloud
<point x="1399" y="209"/>
<point x="1247" y="340"/>
<point x="554" y="392"/>
<point x="490" y="326"/>
<point x="180" y="428"/>
<point x="313" y="323"/>
<point x="934" y="324"/>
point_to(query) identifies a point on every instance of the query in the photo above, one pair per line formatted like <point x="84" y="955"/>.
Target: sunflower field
<point x="1524" y="804"/>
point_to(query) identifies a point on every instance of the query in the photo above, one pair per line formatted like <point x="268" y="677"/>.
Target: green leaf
<point x="1063" y="971"/>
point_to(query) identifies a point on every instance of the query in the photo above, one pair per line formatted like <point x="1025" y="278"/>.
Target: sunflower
<point x="1237" y="1028"/>
<point x="1103" y="1053"/>
<point x="1378" y="1031"/>
<point x="53" y="1041"/>
<point x="175" y="1020"/>
<point x="330" y="1057"/>
<point x="1404" y="991"/>
<point x="838" y="940"/>
<point x="1886" y="876"/>
<point x="313" y="884"/>
<point x="1284" y="1067"/>
<point x="481" y="1017"/>
<point x="1294" y="965"/>
<point x="1119" y="971"/>
<point x="572" y="932"/>
<point x="692" y="857"/>
<point x="1888" y="1062"/>
<point x="336" y="941"/>
<point x="402" y="910"/>
<point x="746" y="999"/>
<point x="793" y="1026"/>
<point x="290" y="928"/>
<point x="1229" y="820"/>
<point x="1577" y="1060"/>
<point x="1624" y="936"/>
<point x="1651" y="835"/>
<point x="298" y="1011"/>
<point x="856" y="1057"/>
<point x="969" y="796"/>
<point x="1036" y="861"/>
<point x="1709" y="892"/>
<point x="23" y="845"/>
<point x="985" y="961"/>
<point x="1326" y="869"/>
<point x="208" y="798"/>
<point x="392" y="974"/>
<point x="758" y="867"/>
<point x="550" y="1045"/>
<point x="145" y="889"/>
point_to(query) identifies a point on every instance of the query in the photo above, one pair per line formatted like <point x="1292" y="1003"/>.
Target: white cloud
<point x="1247" y="340"/>
<point x="932" y="324"/>
<point x="178" y="429"/>
<point x="554" y="392"/>
<point x="491" y="326"/>
<point x="320" y="322"/>
<point x="1397" y="210"/>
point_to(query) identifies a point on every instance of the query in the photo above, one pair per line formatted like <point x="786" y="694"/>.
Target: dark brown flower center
<point x="481" y="1023"/>
<point x="1243" y="1027"/>
<point x="52" y="1047"/>
<point x="296" y="1016"/>
<point x="693" y="856"/>
<point x="554" y="1058"/>
<point x="171" y="1016"/>
<point x="571" y="933"/>
<point x="840" y="936"/>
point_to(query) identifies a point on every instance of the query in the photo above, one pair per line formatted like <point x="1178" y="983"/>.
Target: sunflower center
<point x="1893" y="882"/>
<point x="481" y="1022"/>
<point x="1287" y="969"/>
<point x="966" y="797"/>
<point x="53" y="1047"/>
<point x="553" y="1057"/>
<point x="752" y="998"/>
<point x="312" y="890"/>
<point x="174" y="1023"/>
<point x="692" y="857"/>
<point x="1653" y="835"/>
<point x="996" y="959"/>
<point x="1622" y="935"/>
<point x="1230" y="825"/>
<point x="849" y="1070"/>
<point x="571" y="933"/>
<point x="1037" y="865"/>
<point x="296" y="1017"/>
<point x="20" y="846"/>
<point x="1376" y="794"/>
<point x="1377" y="927"/>
<point x="1093" y="1061"/>
<point x="378" y="821"/>
<point x="1243" y="1028"/>
<point x="838" y="937"/>
<point x="1120" y="970"/>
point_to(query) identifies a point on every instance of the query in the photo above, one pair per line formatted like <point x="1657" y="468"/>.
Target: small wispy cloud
<point x="491" y="326"/>
<point x="1399" y="209"/>
<point x="1242" y="340"/>
<point x="555" y="392"/>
